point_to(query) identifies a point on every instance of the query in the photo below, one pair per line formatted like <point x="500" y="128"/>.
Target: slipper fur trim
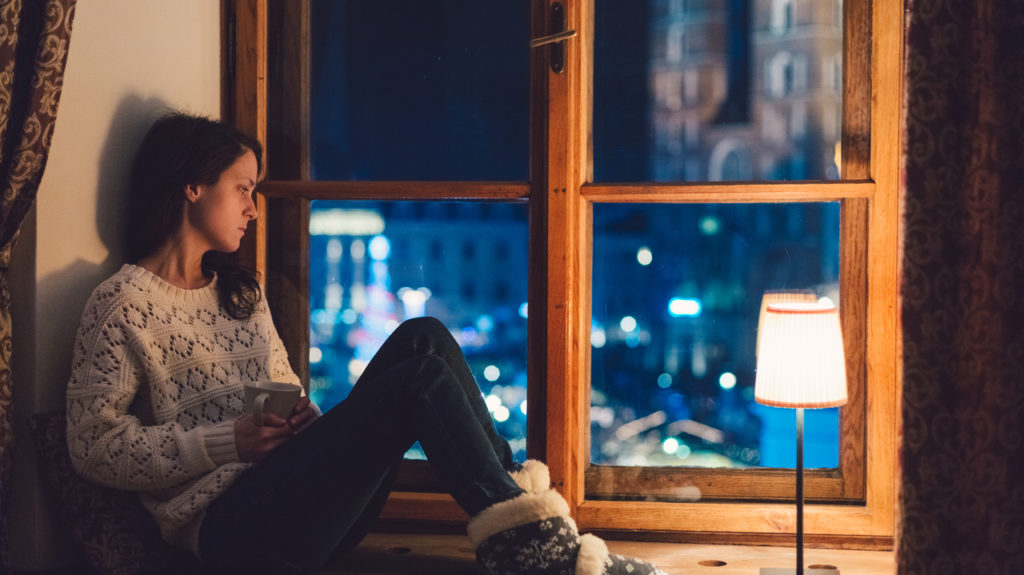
<point x="534" y="477"/>
<point x="520" y="510"/>
<point x="592" y="556"/>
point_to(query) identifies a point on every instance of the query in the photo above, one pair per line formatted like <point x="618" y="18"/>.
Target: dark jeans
<point x="320" y="492"/>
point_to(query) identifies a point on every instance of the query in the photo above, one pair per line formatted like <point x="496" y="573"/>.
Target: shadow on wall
<point x="64" y="293"/>
<point x="46" y="314"/>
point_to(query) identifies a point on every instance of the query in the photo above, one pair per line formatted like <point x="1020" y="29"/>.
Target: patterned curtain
<point x="962" y="463"/>
<point x="34" y="38"/>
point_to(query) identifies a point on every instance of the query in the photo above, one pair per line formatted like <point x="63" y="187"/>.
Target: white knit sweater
<point x="156" y="385"/>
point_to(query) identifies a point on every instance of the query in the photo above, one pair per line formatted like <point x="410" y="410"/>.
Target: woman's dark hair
<point x="181" y="150"/>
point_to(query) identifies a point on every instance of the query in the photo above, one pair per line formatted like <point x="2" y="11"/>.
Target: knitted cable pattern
<point x="155" y="388"/>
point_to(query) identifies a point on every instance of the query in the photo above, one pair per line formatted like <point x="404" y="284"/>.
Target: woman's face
<point x="220" y="213"/>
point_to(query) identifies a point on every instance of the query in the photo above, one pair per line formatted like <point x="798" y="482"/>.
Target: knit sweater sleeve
<point x="280" y="367"/>
<point x="112" y="447"/>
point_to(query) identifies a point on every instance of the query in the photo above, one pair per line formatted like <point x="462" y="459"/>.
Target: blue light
<point x="710" y="225"/>
<point x="684" y="307"/>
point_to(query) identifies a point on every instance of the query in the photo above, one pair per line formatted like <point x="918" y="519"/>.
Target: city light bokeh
<point x="376" y="264"/>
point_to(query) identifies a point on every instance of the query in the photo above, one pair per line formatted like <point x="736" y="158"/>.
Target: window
<point x="835" y="73"/>
<point x="798" y="121"/>
<point x="582" y="205"/>
<point x="729" y="162"/>
<point x="501" y="251"/>
<point x="781" y="74"/>
<point x="782" y="18"/>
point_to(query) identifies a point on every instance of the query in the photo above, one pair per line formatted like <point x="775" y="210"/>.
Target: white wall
<point x="128" y="61"/>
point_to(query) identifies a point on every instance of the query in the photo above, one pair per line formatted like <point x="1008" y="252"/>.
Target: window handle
<point x="551" y="38"/>
<point x="557" y="35"/>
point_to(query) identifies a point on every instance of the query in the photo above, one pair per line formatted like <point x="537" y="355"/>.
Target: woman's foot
<point x="532" y="475"/>
<point x="534" y="534"/>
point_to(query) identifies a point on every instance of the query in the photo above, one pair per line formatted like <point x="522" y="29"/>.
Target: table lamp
<point x="801" y="365"/>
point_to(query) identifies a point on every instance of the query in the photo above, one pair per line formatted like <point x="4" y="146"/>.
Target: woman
<point x="155" y="399"/>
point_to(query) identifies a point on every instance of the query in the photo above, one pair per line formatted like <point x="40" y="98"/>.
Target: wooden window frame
<point x="851" y="506"/>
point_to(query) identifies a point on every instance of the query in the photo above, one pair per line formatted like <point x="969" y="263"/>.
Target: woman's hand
<point x="255" y="442"/>
<point x="303" y="415"/>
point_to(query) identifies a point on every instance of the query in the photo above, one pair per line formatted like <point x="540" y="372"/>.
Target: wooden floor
<point x="404" y="554"/>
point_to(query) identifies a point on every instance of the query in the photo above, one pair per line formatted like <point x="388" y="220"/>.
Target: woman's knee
<point x="427" y="333"/>
<point x="430" y="375"/>
<point x="425" y="324"/>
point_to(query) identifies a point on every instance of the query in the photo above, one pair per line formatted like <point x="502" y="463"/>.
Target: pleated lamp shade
<point x="780" y="296"/>
<point x="801" y="362"/>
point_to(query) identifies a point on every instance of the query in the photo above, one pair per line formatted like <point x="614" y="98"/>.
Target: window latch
<point x="556" y="38"/>
<point x="551" y="38"/>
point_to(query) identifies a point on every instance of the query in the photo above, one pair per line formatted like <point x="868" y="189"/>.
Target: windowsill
<point x="405" y="513"/>
<point x="746" y="560"/>
<point x="432" y="554"/>
<point x="425" y="554"/>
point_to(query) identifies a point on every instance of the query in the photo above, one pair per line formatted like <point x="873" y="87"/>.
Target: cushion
<point x="112" y="528"/>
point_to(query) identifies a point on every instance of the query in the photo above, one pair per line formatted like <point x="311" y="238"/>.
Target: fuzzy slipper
<point x="533" y="534"/>
<point x="533" y="476"/>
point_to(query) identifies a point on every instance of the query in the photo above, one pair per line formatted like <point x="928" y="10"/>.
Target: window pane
<point x="691" y="90"/>
<point x="676" y="295"/>
<point x="375" y="264"/>
<point x="419" y="90"/>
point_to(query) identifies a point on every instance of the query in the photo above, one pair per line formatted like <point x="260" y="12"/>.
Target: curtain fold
<point x="962" y="461"/>
<point x="34" y="40"/>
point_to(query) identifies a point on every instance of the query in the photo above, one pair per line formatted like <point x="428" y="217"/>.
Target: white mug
<point x="274" y="396"/>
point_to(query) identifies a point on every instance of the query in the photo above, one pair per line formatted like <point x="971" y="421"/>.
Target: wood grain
<point x="857" y="82"/>
<point x="288" y="279"/>
<point x="427" y="554"/>
<point x="380" y="190"/>
<point x="704" y="484"/>
<point x="853" y="298"/>
<point x="883" y="419"/>
<point x="729" y="192"/>
<point x="249" y="111"/>
<point x="568" y="235"/>
<point x="537" y="320"/>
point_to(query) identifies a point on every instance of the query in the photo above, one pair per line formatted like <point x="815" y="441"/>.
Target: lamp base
<point x="793" y="570"/>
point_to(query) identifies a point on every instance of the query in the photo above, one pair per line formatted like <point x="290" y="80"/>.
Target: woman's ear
<point x="192" y="193"/>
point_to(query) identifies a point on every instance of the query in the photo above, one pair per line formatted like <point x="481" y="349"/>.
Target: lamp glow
<point x="779" y="296"/>
<point x="801" y="364"/>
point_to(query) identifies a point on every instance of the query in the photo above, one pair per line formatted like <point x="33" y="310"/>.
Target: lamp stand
<point x="799" y="490"/>
<point x="799" y="507"/>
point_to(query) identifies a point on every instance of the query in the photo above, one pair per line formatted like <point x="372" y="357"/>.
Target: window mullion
<point x="855" y="234"/>
<point x="729" y="192"/>
<point x="856" y="122"/>
<point x="249" y="106"/>
<point x="568" y="247"/>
